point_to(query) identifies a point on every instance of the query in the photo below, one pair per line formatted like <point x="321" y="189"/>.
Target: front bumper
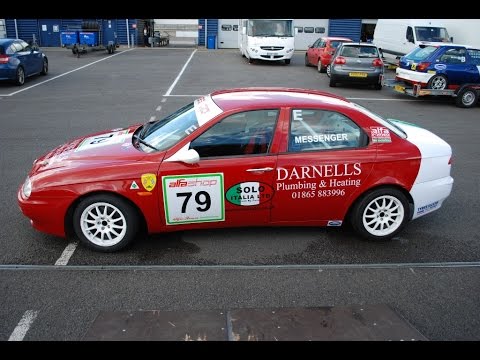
<point x="270" y="55"/>
<point x="46" y="215"/>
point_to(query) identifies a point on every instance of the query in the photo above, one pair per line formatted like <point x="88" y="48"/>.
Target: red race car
<point x="241" y="157"/>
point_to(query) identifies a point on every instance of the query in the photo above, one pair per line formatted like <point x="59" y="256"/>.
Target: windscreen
<point x="427" y="33"/>
<point x="266" y="27"/>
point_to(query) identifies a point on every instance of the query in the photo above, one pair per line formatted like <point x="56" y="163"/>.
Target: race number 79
<point x="193" y="198"/>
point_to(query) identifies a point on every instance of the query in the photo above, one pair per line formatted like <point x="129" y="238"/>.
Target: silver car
<point x="359" y="63"/>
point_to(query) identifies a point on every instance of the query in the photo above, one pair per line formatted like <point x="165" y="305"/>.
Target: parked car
<point x="241" y="157"/>
<point x="356" y="63"/>
<point x="19" y="60"/>
<point x="439" y="67"/>
<point x="320" y="53"/>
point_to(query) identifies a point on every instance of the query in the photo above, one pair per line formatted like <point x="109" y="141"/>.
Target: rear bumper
<point x="429" y="196"/>
<point x="413" y="77"/>
<point x="7" y="72"/>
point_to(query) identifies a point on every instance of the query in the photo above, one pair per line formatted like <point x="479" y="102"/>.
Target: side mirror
<point x="186" y="155"/>
<point x="309" y="46"/>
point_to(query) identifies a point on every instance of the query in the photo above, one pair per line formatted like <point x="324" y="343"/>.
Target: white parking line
<point x="23" y="325"/>
<point x="66" y="73"/>
<point x="159" y="107"/>
<point x="66" y="255"/>
<point x="180" y="74"/>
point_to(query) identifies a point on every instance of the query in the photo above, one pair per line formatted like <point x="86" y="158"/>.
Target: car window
<point x="359" y="51"/>
<point x="474" y="55"/>
<point x="17" y="46"/>
<point x="454" y="56"/>
<point x="322" y="44"/>
<point x="322" y="129"/>
<point x="316" y="44"/>
<point x="244" y="133"/>
<point x="334" y="44"/>
<point x="421" y="53"/>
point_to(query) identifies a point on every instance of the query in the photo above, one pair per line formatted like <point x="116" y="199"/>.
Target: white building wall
<point x="303" y="39"/>
<point x="181" y="31"/>
<point x="3" y="29"/>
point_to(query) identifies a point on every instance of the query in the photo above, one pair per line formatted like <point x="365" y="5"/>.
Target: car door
<point x="474" y="61"/>
<point x="454" y="63"/>
<point x="325" y="162"/>
<point x="231" y="185"/>
<point x="22" y="55"/>
<point x="313" y="54"/>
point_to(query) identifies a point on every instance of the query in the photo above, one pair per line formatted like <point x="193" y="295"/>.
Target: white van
<point x="267" y="39"/>
<point x="397" y="37"/>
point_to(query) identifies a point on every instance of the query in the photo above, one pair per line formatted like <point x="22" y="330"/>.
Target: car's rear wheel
<point x="466" y="98"/>
<point x="20" y="76"/>
<point x="306" y="61"/>
<point x="44" y="67"/>
<point x="105" y="222"/>
<point x="320" y="67"/>
<point x="380" y="214"/>
<point x="329" y="70"/>
<point x="438" y="82"/>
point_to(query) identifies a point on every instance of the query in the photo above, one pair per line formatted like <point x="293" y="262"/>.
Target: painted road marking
<point x="159" y="107"/>
<point x="152" y="118"/>
<point x="66" y="73"/>
<point x="180" y="74"/>
<point x="23" y="325"/>
<point x="244" y="267"/>
<point x="66" y="255"/>
<point x="164" y="99"/>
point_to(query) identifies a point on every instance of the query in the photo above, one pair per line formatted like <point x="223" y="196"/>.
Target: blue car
<point x="19" y="60"/>
<point x="440" y="66"/>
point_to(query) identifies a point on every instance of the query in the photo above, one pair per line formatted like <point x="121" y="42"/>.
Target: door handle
<point x="261" y="169"/>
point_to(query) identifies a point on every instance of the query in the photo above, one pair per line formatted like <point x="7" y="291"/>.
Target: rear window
<point x="421" y="53"/>
<point x="334" y="44"/>
<point x="359" y="51"/>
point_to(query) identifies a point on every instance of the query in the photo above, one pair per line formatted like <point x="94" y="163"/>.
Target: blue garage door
<point x="212" y="25"/>
<point x="49" y="32"/>
<point x="27" y="29"/>
<point x="350" y="28"/>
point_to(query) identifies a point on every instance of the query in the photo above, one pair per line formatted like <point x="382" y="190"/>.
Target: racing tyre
<point x="105" y="222"/>
<point x="328" y="70"/>
<point x="438" y="82"/>
<point x="44" y="67"/>
<point x="306" y="61"/>
<point x="20" y="76"/>
<point x="380" y="214"/>
<point x="466" y="98"/>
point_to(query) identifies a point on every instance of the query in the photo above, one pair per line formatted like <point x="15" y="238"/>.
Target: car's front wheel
<point x="20" y="76"/>
<point x="307" y="63"/>
<point x="438" y="82"/>
<point x="105" y="222"/>
<point x="44" y="67"/>
<point x="380" y="214"/>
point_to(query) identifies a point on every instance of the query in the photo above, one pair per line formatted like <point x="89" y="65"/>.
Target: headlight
<point x="27" y="188"/>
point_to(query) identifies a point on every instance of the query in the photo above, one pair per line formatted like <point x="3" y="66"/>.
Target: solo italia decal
<point x="249" y="193"/>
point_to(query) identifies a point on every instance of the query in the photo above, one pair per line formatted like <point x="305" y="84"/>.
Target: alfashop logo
<point x="179" y="183"/>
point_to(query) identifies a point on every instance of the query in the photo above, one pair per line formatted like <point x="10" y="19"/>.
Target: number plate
<point x="357" y="74"/>
<point x="270" y="54"/>
<point x="399" y="88"/>
<point x="193" y="198"/>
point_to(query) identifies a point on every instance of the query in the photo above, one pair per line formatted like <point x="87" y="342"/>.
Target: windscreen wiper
<point x="144" y="142"/>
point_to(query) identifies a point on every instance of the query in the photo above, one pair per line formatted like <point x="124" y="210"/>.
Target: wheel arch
<point x="362" y="195"/>
<point x="68" y="220"/>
